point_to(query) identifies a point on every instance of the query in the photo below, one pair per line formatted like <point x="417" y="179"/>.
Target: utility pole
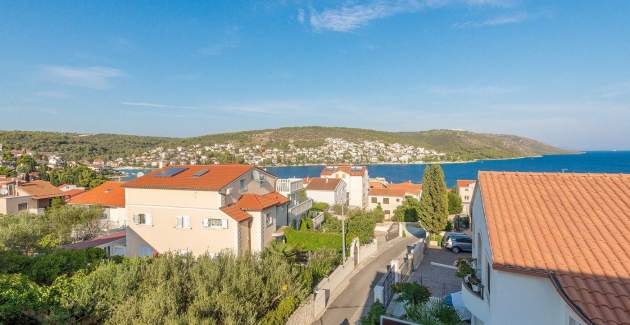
<point x="343" y="236"/>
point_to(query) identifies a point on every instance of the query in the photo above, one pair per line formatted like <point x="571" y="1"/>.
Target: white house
<point x="550" y="249"/>
<point x="356" y="179"/>
<point x="465" y="189"/>
<point x="328" y="190"/>
<point x="111" y="197"/>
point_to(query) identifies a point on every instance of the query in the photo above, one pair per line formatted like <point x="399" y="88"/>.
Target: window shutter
<point x="179" y="222"/>
<point x="224" y="223"/>
<point x="186" y="221"/>
<point x="136" y="218"/>
<point x="148" y="219"/>
<point x="205" y="222"/>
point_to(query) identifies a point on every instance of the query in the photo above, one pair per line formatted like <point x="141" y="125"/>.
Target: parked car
<point x="457" y="242"/>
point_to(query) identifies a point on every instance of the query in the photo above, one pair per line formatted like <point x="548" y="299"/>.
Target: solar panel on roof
<point x="170" y="172"/>
<point x="200" y="173"/>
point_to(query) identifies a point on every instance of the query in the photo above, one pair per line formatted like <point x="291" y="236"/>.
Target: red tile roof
<point x="253" y="202"/>
<point x="464" y="182"/>
<point x="407" y="186"/>
<point x="236" y="213"/>
<point x="216" y="177"/>
<point x="249" y="201"/>
<point x="377" y="184"/>
<point x="323" y="184"/>
<point x="386" y="192"/>
<point x="40" y="190"/>
<point x="574" y="228"/>
<point x="72" y="193"/>
<point x="108" y="194"/>
<point x="348" y="169"/>
<point x="102" y="240"/>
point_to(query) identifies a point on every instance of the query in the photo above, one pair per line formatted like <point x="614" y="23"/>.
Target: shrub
<point x="373" y="317"/>
<point x="19" y="298"/>
<point x="322" y="262"/>
<point x="411" y="293"/>
<point x="312" y="241"/>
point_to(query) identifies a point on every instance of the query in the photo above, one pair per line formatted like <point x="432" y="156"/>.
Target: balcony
<point x="301" y="208"/>
<point x="472" y="289"/>
<point x="288" y="186"/>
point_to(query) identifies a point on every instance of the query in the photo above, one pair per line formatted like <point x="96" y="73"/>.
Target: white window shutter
<point x="136" y="218"/>
<point x="148" y="219"/>
<point x="178" y="222"/>
<point x="187" y="222"/>
<point x="224" y="223"/>
<point x="205" y="222"/>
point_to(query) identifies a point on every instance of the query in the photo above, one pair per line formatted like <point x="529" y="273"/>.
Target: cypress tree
<point x="434" y="200"/>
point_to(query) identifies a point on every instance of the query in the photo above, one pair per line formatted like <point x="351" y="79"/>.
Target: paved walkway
<point x="348" y="307"/>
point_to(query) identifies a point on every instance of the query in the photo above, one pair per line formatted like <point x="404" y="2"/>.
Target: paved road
<point x="348" y="307"/>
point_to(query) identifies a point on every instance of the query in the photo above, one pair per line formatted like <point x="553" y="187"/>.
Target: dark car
<point x="457" y="242"/>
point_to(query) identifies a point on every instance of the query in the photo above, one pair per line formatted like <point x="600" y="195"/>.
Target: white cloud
<point x="301" y="15"/>
<point x="515" y="18"/>
<point x="352" y="17"/>
<point x="156" y="105"/>
<point x="95" y="77"/>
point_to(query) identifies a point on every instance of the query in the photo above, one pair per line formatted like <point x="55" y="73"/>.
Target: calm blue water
<point x="589" y="162"/>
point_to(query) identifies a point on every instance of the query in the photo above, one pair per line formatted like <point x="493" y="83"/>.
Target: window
<point x="183" y="222"/>
<point x="374" y="199"/>
<point x="385" y="200"/>
<point x="242" y="185"/>
<point x="214" y="223"/>
<point x="22" y="206"/>
<point x="386" y="212"/>
<point x="573" y="321"/>
<point x="142" y="219"/>
<point x="268" y="219"/>
<point x="146" y="251"/>
<point x="397" y="200"/>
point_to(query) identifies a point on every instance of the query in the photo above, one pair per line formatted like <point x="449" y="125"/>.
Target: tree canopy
<point x="434" y="201"/>
<point x="454" y="202"/>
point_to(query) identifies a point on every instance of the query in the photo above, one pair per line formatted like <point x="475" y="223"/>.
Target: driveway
<point x="440" y="280"/>
<point x="348" y="307"/>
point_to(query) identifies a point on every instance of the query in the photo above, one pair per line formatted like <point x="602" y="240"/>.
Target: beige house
<point x="18" y="196"/>
<point x="390" y="196"/>
<point x="466" y="188"/>
<point x="202" y="209"/>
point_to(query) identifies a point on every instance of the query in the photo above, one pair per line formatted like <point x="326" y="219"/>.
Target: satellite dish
<point x="4" y="191"/>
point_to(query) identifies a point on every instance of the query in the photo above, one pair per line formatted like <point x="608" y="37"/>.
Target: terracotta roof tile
<point x="574" y="228"/>
<point x="249" y="201"/>
<point x="40" y="189"/>
<point x="348" y="169"/>
<point x="236" y="213"/>
<point x="408" y="187"/>
<point x="323" y="184"/>
<point x="386" y="192"/>
<point x="216" y="177"/>
<point x="108" y="194"/>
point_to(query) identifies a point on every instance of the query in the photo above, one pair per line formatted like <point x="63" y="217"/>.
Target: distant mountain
<point x="458" y="145"/>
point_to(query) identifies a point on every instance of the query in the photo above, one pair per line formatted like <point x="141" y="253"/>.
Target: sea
<point x="587" y="162"/>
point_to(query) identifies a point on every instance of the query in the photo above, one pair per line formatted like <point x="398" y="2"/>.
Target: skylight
<point x="170" y="172"/>
<point x="200" y="173"/>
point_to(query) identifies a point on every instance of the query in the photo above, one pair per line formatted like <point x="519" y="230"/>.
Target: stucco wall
<point x="9" y="204"/>
<point x="394" y="202"/>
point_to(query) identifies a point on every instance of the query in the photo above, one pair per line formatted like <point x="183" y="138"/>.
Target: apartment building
<point x="202" y="209"/>
<point x="387" y="199"/>
<point x="465" y="189"/>
<point x="299" y="203"/>
<point x="331" y="191"/>
<point x="34" y="196"/>
<point x="550" y="248"/>
<point x="111" y="197"/>
<point x="357" y="182"/>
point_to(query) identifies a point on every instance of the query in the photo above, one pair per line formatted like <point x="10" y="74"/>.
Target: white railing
<point x="301" y="208"/>
<point x="287" y="186"/>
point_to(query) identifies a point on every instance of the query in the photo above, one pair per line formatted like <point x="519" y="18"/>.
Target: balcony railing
<point x="474" y="285"/>
<point x="301" y="208"/>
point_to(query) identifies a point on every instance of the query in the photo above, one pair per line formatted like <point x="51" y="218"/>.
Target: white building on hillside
<point x="550" y="249"/>
<point x="331" y="191"/>
<point x="465" y="189"/>
<point x="357" y="180"/>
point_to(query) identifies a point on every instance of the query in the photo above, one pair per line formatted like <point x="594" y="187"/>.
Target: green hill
<point x="457" y="145"/>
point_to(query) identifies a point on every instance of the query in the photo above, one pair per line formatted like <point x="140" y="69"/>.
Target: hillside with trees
<point x="457" y="145"/>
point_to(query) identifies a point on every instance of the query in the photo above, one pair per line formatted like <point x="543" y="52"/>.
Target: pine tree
<point x="434" y="200"/>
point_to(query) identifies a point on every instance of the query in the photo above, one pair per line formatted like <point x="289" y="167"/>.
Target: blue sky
<point x="557" y="71"/>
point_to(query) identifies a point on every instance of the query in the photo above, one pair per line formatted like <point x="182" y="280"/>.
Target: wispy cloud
<point x="229" y="40"/>
<point x="95" y="77"/>
<point x="156" y="105"/>
<point x="514" y="18"/>
<point x="471" y="90"/>
<point x="352" y="17"/>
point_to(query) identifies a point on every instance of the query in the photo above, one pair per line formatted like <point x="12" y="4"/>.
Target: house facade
<point x="543" y="253"/>
<point x="387" y="199"/>
<point x="299" y="203"/>
<point x="465" y="189"/>
<point x="332" y="191"/>
<point x="33" y="197"/>
<point x="202" y="210"/>
<point x="357" y="182"/>
<point x="111" y="197"/>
